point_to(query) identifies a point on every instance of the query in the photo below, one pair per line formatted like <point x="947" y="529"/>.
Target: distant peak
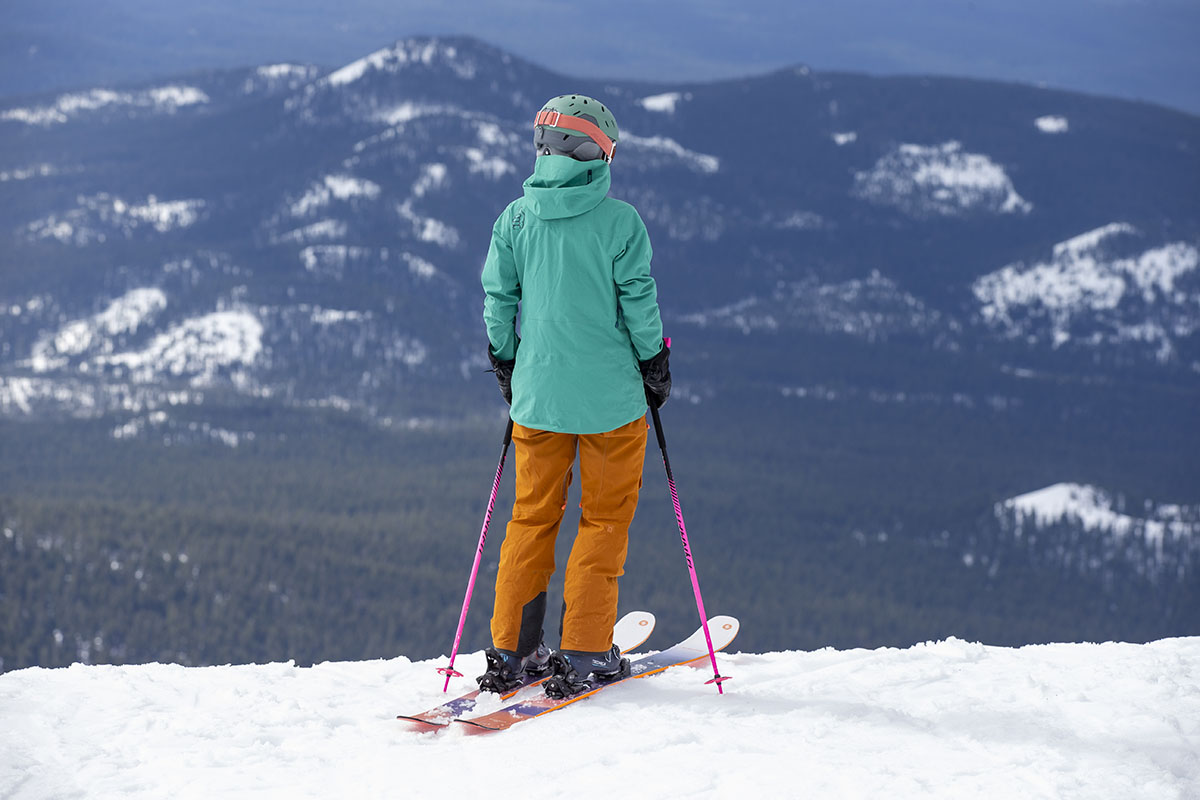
<point x="463" y="56"/>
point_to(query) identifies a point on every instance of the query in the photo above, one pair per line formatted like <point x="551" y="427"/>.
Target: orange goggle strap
<point x="556" y="120"/>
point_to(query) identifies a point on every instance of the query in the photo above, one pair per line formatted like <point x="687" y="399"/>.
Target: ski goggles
<point x="554" y="119"/>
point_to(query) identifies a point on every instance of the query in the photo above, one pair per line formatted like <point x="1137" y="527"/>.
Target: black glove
<point x="503" y="371"/>
<point x="656" y="375"/>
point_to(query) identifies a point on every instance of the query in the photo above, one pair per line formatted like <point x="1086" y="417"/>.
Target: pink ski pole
<point x="717" y="677"/>
<point x="450" y="671"/>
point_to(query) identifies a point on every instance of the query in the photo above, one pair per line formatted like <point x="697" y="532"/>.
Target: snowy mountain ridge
<point x="1094" y="290"/>
<point x="943" y="719"/>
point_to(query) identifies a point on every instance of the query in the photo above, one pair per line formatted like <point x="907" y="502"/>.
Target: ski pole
<point x="717" y="677"/>
<point x="450" y="671"/>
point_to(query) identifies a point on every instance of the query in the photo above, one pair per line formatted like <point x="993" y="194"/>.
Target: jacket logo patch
<point x="519" y="220"/>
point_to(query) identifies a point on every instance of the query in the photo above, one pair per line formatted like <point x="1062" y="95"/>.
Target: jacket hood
<point x="562" y="187"/>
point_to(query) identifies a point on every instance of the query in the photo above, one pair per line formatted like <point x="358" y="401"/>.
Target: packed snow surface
<point x="949" y="719"/>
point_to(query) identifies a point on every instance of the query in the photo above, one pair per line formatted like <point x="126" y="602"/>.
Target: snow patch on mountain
<point x="433" y="176"/>
<point x="828" y="394"/>
<point x="1094" y="509"/>
<point x="163" y="99"/>
<point x="491" y="167"/>
<point x="428" y="229"/>
<point x="26" y="173"/>
<point x="403" y="54"/>
<point x="99" y="216"/>
<point x="331" y="260"/>
<point x="172" y="432"/>
<point x="1095" y="290"/>
<point x="1052" y="124"/>
<point x="407" y="111"/>
<point x="845" y="138"/>
<point x="325" y="229"/>
<point x="953" y="719"/>
<point x="664" y="103"/>
<point x="655" y="152"/>
<point x="874" y="308"/>
<point x="83" y="397"/>
<point x="99" y="332"/>
<point x="344" y="188"/>
<point x="419" y="266"/>
<point x="279" y="77"/>
<point x="197" y="349"/>
<point x="939" y="180"/>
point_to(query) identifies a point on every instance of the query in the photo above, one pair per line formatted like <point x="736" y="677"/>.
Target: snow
<point x="939" y="180"/>
<point x="1052" y="124"/>
<point x="663" y="145"/>
<point x="663" y="103"/>
<point x="1085" y="281"/>
<point x="124" y="315"/>
<point x="197" y="347"/>
<point x="97" y="216"/>
<point x="419" y="266"/>
<point x="325" y="229"/>
<point x="848" y="137"/>
<point x="334" y="187"/>
<point x="871" y="308"/>
<point x="163" y="99"/>
<point x="42" y="170"/>
<point x="285" y="71"/>
<point x="433" y="176"/>
<point x="948" y="719"/>
<point x="428" y="229"/>
<point x="331" y="260"/>
<point x="493" y="168"/>
<point x="1094" y="509"/>
<point x="400" y="56"/>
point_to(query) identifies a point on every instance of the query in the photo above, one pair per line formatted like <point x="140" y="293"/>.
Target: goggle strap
<point x="554" y="119"/>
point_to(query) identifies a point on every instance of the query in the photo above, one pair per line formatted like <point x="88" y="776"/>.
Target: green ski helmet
<point x="575" y="125"/>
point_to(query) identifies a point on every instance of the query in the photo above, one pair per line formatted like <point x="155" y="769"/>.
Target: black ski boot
<point x="506" y="671"/>
<point x="576" y="672"/>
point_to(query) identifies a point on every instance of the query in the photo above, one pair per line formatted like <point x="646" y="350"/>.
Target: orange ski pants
<point x="610" y="466"/>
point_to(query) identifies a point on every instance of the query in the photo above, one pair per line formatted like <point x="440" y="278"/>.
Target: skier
<point x="589" y="357"/>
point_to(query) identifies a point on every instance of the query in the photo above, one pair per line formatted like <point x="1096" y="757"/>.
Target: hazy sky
<point x="1143" y="49"/>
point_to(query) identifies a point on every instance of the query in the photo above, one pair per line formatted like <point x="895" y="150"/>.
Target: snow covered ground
<point x="949" y="719"/>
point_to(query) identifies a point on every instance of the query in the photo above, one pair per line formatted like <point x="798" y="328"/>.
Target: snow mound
<point x="949" y="719"/>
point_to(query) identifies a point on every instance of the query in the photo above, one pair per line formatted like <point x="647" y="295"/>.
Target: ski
<point x="692" y="649"/>
<point x="629" y="632"/>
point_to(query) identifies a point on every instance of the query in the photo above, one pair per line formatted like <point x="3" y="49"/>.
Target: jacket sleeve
<point x="637" y="292"/>
<point x="502" y="292"/>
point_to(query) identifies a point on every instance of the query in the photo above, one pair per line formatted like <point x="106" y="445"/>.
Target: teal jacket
<point x="577" y="264"/>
